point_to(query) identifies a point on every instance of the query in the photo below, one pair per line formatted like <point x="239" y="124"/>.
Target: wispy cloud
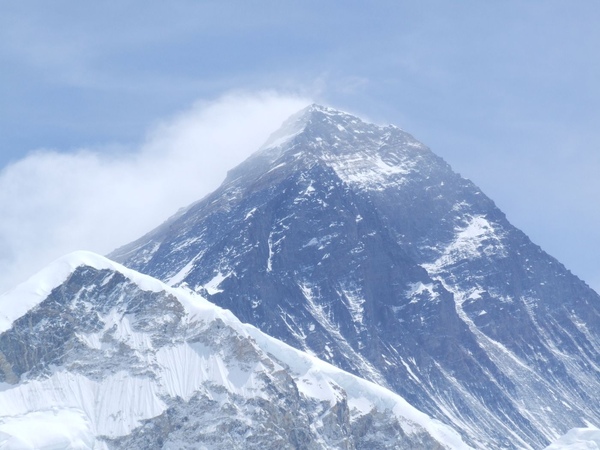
<point x="97" y="199"/>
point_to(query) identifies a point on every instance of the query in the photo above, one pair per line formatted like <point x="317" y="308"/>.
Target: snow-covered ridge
<point x="16" y="302"/>
<point x="114" y="405"/>
<point x="26" y="296"/>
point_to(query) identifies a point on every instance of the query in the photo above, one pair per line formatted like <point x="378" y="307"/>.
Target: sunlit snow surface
<point x="53" y="429"/>
<point x="73" y="411"/>
<point x="578" y="439"/>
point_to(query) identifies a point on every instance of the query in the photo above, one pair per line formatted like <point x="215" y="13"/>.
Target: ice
<point x="320" y="379"/>
<point x="112" y="406"/>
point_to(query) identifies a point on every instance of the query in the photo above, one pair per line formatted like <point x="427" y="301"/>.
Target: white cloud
<point x="98" y="199"/>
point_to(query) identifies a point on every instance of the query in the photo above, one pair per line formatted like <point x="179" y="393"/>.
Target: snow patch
<point x="212" y="287"/>
<point x="276" y="167"/>
<point x="184" y="272"/>
<point x="323" y="319"/>
<point x="368" y="170"/>
<point x="477" y="239"/>
<point x="419" y="291"/>
<point x="354" y="302"/>
<point x="250" y="213"/>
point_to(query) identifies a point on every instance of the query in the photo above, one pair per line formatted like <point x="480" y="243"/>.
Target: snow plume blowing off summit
<point x="100" y="197"/>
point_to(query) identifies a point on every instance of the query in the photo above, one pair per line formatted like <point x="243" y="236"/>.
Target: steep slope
<point x="357" y="243"/>
<point x="94" y="355"/>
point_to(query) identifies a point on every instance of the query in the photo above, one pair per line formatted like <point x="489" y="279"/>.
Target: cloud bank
<point x="100" y="198"/>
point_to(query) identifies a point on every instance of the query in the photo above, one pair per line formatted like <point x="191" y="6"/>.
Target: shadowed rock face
<point x="357" y="243"/>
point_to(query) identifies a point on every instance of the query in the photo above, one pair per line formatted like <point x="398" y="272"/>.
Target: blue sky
<point x="507" y="92"/>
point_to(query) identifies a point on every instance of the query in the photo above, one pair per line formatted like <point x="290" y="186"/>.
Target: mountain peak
<point x="362" y="154"/>
<point x="319" y="122"/>
<point x="355" y="242"/>
<point x="24" y="297"/>
<point x="316" y="108"/>
<point x="316" y="111"/>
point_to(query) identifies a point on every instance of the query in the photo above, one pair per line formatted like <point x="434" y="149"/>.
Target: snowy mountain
<point x="356" y="243"/>
<point x="94" y="355"/>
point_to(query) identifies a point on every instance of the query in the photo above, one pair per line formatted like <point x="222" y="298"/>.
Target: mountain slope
<point x="94" y="355"/>
<point x="358" y="244"/>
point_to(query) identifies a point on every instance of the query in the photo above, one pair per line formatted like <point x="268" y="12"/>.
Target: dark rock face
<point x="357" y="243"/>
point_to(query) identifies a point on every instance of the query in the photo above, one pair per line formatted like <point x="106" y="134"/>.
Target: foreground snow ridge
<point x="18" y="301"/>
<point x="211" y="353"/>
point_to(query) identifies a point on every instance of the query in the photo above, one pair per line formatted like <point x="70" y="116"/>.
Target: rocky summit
<point x="355" y="243"/>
